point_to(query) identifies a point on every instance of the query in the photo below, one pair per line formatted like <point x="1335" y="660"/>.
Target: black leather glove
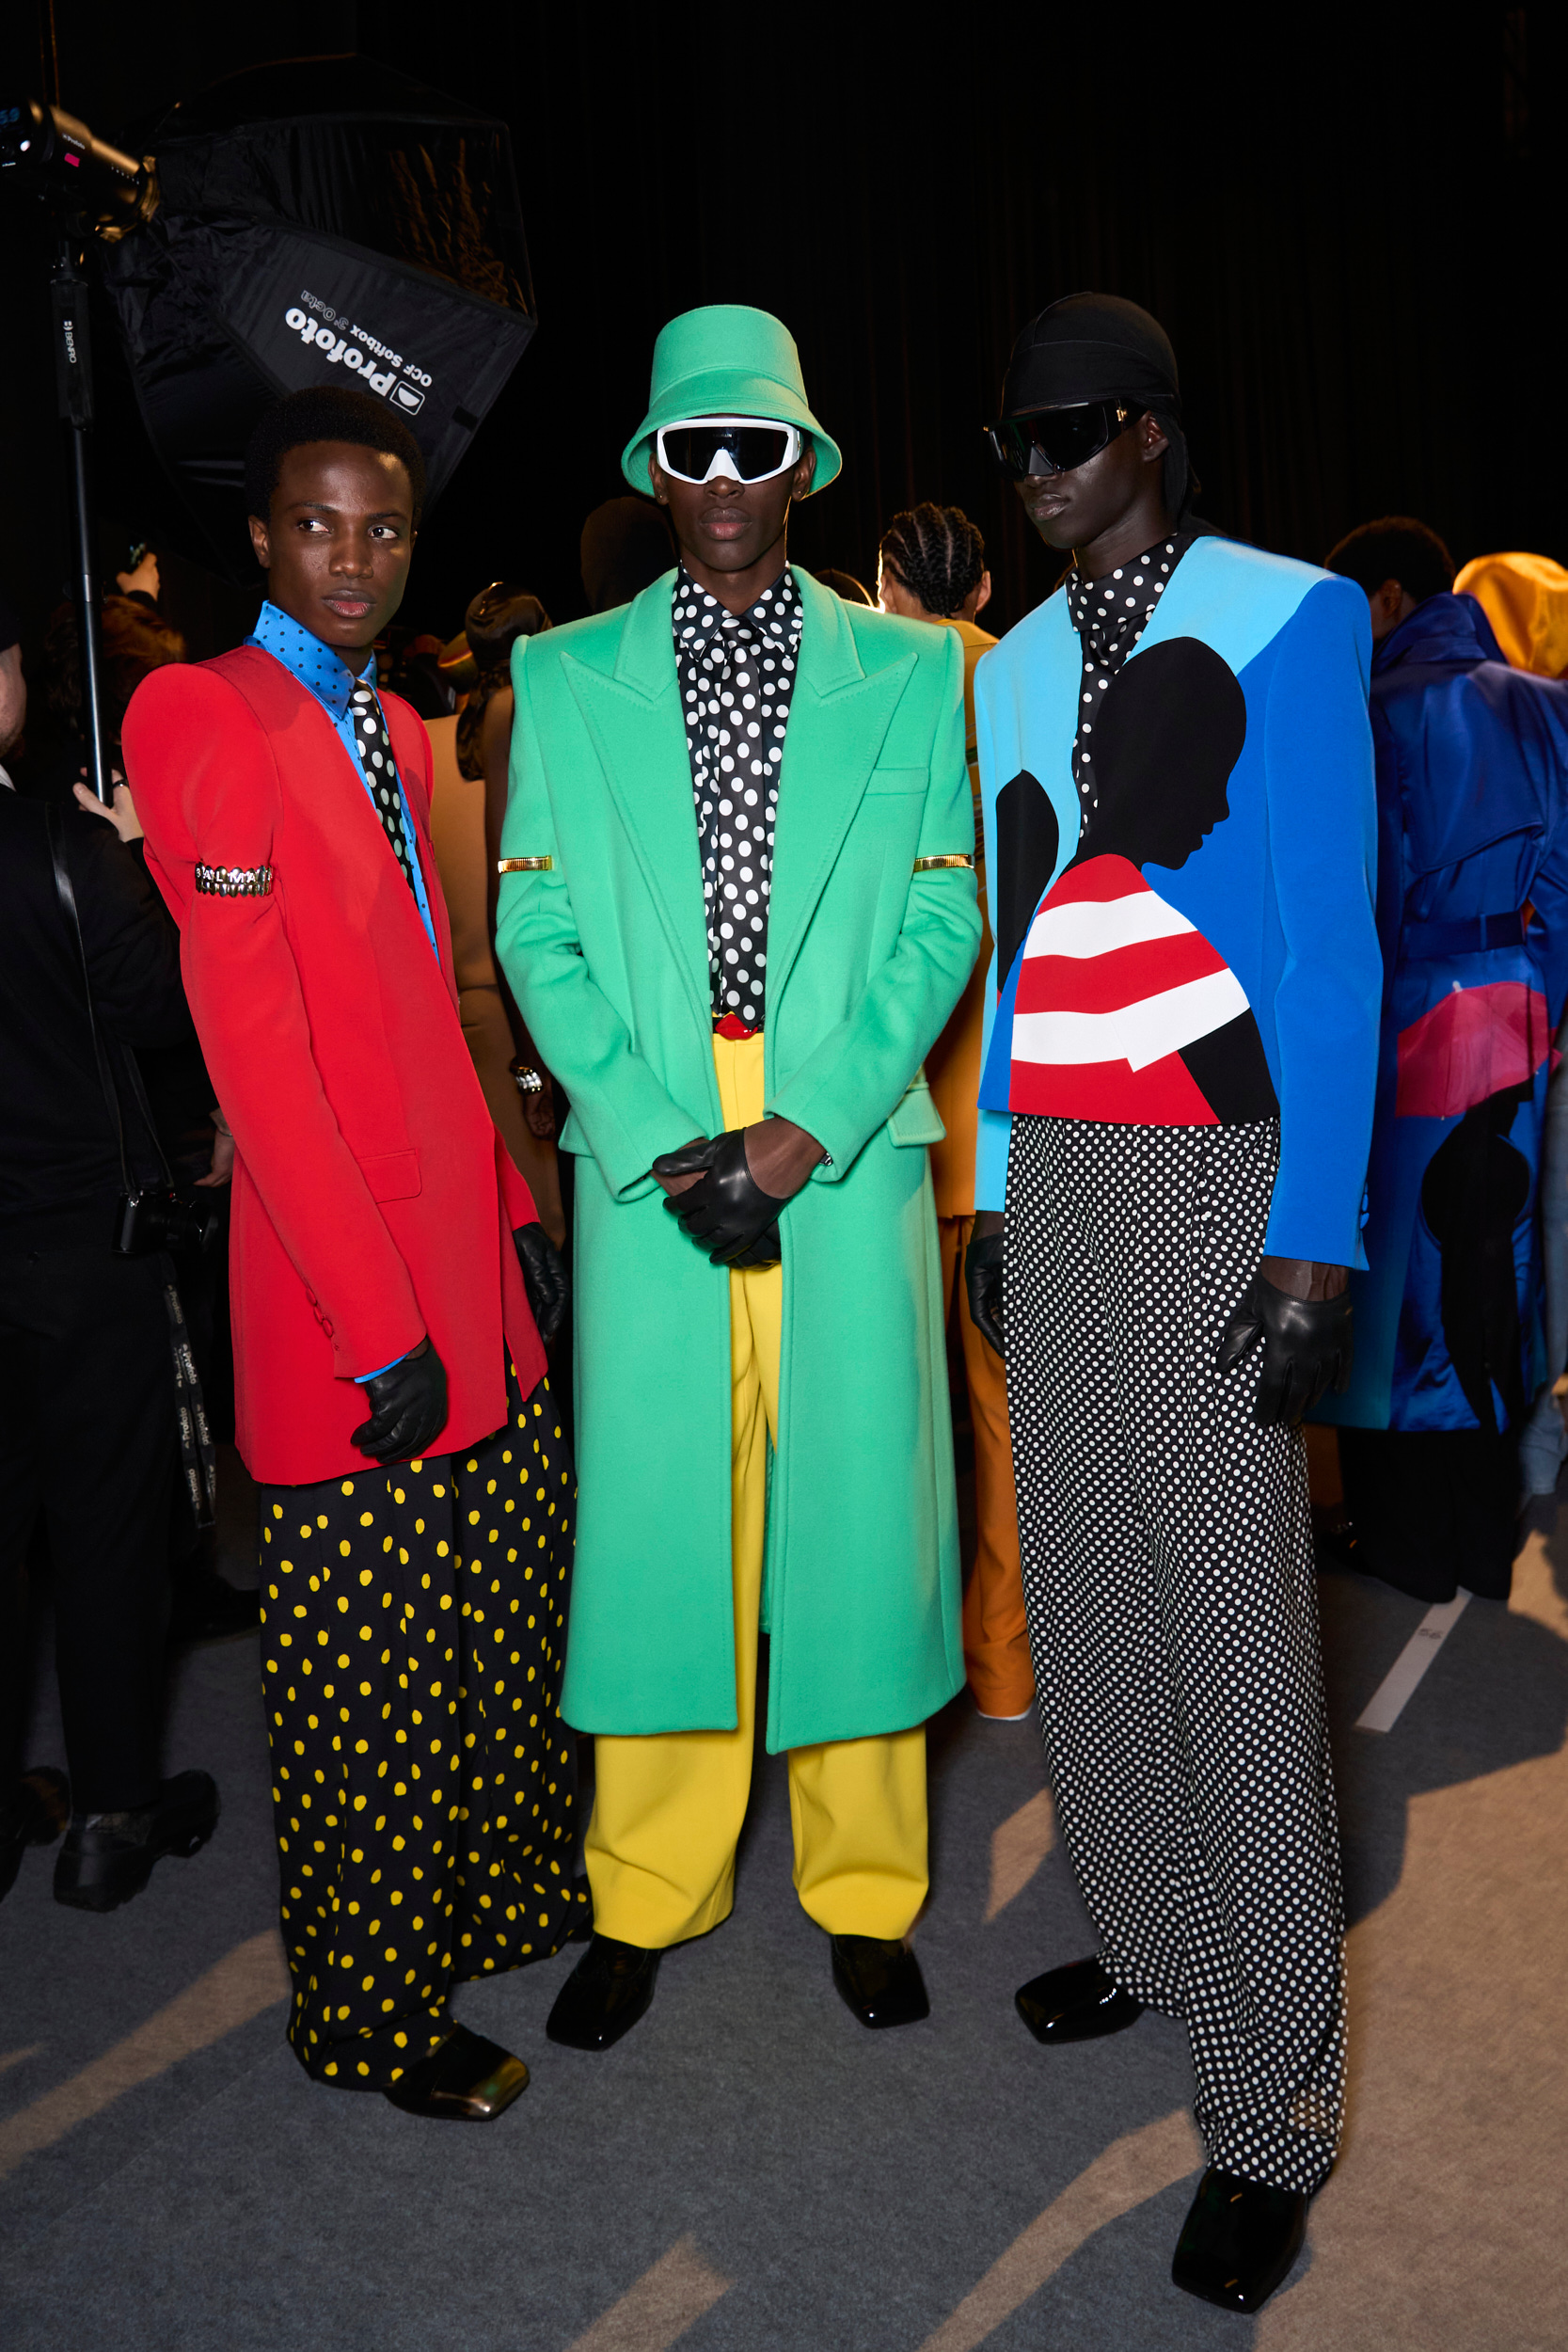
<point x="544" y="1279"/>
<point x="983" y="1261"/>
<point x="728" y="1213"/>
<point x="1308" y="1347"/>
<point x="408" y="1408"/>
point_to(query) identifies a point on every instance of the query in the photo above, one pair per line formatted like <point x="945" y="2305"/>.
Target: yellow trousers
<point x="668" y="1810"/>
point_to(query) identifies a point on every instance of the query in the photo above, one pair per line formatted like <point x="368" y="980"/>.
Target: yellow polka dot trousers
<point x="413" y="1630"/>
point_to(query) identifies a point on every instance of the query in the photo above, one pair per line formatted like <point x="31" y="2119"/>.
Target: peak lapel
<point x="634" y="719"/>
<point x="837" y="722"/>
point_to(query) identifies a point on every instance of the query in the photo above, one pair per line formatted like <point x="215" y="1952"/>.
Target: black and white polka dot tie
<point x="375" y="747"/>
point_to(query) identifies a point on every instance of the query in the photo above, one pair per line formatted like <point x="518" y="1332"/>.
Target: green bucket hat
<point x="728" y="360"/>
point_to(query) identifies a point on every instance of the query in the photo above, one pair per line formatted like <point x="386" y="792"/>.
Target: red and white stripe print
<point x="1114" y="982"/>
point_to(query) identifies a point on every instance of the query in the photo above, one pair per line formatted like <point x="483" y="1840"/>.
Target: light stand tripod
<point x="92" y="190"/>
<point x="67" y="291"/>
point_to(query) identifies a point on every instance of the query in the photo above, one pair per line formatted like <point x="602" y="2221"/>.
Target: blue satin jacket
<point x="1472" y="915"/>
<point x="1281" y="886"/>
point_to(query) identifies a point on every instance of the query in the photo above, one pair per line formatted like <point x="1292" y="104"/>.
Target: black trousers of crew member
<point x="1168" y="1578"/>
<point x="412" y="1630"/>
<point x="89" y="1437"/>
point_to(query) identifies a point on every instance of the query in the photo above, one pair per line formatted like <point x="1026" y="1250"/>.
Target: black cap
<point x="1090" y="346"/>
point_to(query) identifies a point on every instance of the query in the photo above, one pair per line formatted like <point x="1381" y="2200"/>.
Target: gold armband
<point x="234" y="881"/>
<point x="935" y="865"/>
<point x="525" y="866"/>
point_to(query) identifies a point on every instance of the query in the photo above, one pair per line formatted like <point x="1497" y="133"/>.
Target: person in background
<point x="1526" y="599"/>
<point x="625" y="547"/>
<point x="845" y="584"/>
<point x="14" y="688"/>
<point x="931" y="567"/>
<point x="466" y="806"/>
<point x="89" y="1436"/>
<point x="141" y="579"/>
<point x="188" y="1123"/>
<point x="392" y="1398"/>
<point x="1472" y="913"/>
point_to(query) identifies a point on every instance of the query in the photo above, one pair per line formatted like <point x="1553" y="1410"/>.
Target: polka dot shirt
<point x="1110" y="616"/>
<point x="737" y="679"/>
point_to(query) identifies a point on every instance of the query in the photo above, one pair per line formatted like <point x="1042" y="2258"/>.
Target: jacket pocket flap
<point x="897" y="780"/>
<point x="392" y="1175"/>
<point x="917" y="1118"/>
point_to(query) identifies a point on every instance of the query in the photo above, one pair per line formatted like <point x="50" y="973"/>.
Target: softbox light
<point x="320" y="221"/>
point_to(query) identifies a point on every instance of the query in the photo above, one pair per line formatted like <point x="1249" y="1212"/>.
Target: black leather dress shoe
<point x="1238" y="2241"/>
<point x="465" y="2079"/>
<point x="108" y="1857"/>
<point x="38" y="1811"/>
<point x="879" y="1982"/>
<point x="605" y="1994"/>
<point x="1078" y="2003"/>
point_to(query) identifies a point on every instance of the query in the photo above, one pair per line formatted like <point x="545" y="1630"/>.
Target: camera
<point x="153" y="1219"/>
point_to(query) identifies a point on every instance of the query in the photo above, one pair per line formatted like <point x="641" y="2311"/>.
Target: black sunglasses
<point x="743" y="447"/>
<point x="1054" y="440"/>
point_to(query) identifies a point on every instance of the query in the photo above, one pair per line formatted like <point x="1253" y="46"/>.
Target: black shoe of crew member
<point x="1106" y="511"/>
<point x="108" y="1857"/>
<point x="34" y="1815"/>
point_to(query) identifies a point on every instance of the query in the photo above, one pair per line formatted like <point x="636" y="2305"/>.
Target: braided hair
<point x="937" y="552"/>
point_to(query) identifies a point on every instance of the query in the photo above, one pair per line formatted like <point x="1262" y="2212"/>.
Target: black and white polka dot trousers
<point x="412" y="1630"/>
<point x="1167" y="1570"/>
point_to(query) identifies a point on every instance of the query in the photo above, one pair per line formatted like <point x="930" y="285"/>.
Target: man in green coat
<point x="737" y="907"/>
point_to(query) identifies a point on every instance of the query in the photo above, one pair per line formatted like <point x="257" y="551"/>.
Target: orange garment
<point x="457" y="836"/>
<point x="1526" y="599"/>
<point x="996" y="1642"/>
<point x="996" y="1646"/>
<point x="953" y="1064"/>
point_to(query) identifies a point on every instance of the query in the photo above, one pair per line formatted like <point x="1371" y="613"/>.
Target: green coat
<point x="607" y="952"/>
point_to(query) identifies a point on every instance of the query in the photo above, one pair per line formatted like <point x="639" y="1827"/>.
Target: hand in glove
<point x="1306" y="1348"/>
<point x="408" y="1408"/>
<point x="983" y="1261"/>
<point x="726" y="1211"/>
<point x="544" y="1279"/>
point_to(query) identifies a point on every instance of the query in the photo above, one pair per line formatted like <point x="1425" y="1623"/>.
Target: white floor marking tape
<point x="1387" y="1702"/>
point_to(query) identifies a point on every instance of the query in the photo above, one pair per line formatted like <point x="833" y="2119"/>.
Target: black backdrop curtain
<point x="1348" y="227"/>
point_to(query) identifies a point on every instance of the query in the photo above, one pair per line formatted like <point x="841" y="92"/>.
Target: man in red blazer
<point x="415" y="1556"/>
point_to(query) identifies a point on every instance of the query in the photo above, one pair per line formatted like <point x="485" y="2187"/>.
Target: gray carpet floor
<point x="750" y="2169"/>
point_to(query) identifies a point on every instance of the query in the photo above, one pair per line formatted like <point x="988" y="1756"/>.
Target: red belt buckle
<point x="732" y="1026"/>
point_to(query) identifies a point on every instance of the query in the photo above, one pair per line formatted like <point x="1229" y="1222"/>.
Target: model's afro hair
<point x="326" y="412"/>
<point x="1396" y="546"/>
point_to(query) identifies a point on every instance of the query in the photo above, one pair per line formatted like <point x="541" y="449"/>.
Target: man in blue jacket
<point x="1176" y="1102"/>
<point x="1472" y="910"/>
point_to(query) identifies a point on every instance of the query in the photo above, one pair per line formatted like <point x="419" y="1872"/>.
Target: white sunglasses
<point x="735" y="448"/>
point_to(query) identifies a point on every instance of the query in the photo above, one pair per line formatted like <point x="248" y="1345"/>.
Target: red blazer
<point x="373" y="1198"/>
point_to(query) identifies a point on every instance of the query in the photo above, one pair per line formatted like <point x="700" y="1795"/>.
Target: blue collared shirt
<point x="323" y="674"/>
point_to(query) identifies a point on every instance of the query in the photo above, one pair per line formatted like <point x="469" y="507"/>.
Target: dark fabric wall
<point x="1346" y="224"/>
